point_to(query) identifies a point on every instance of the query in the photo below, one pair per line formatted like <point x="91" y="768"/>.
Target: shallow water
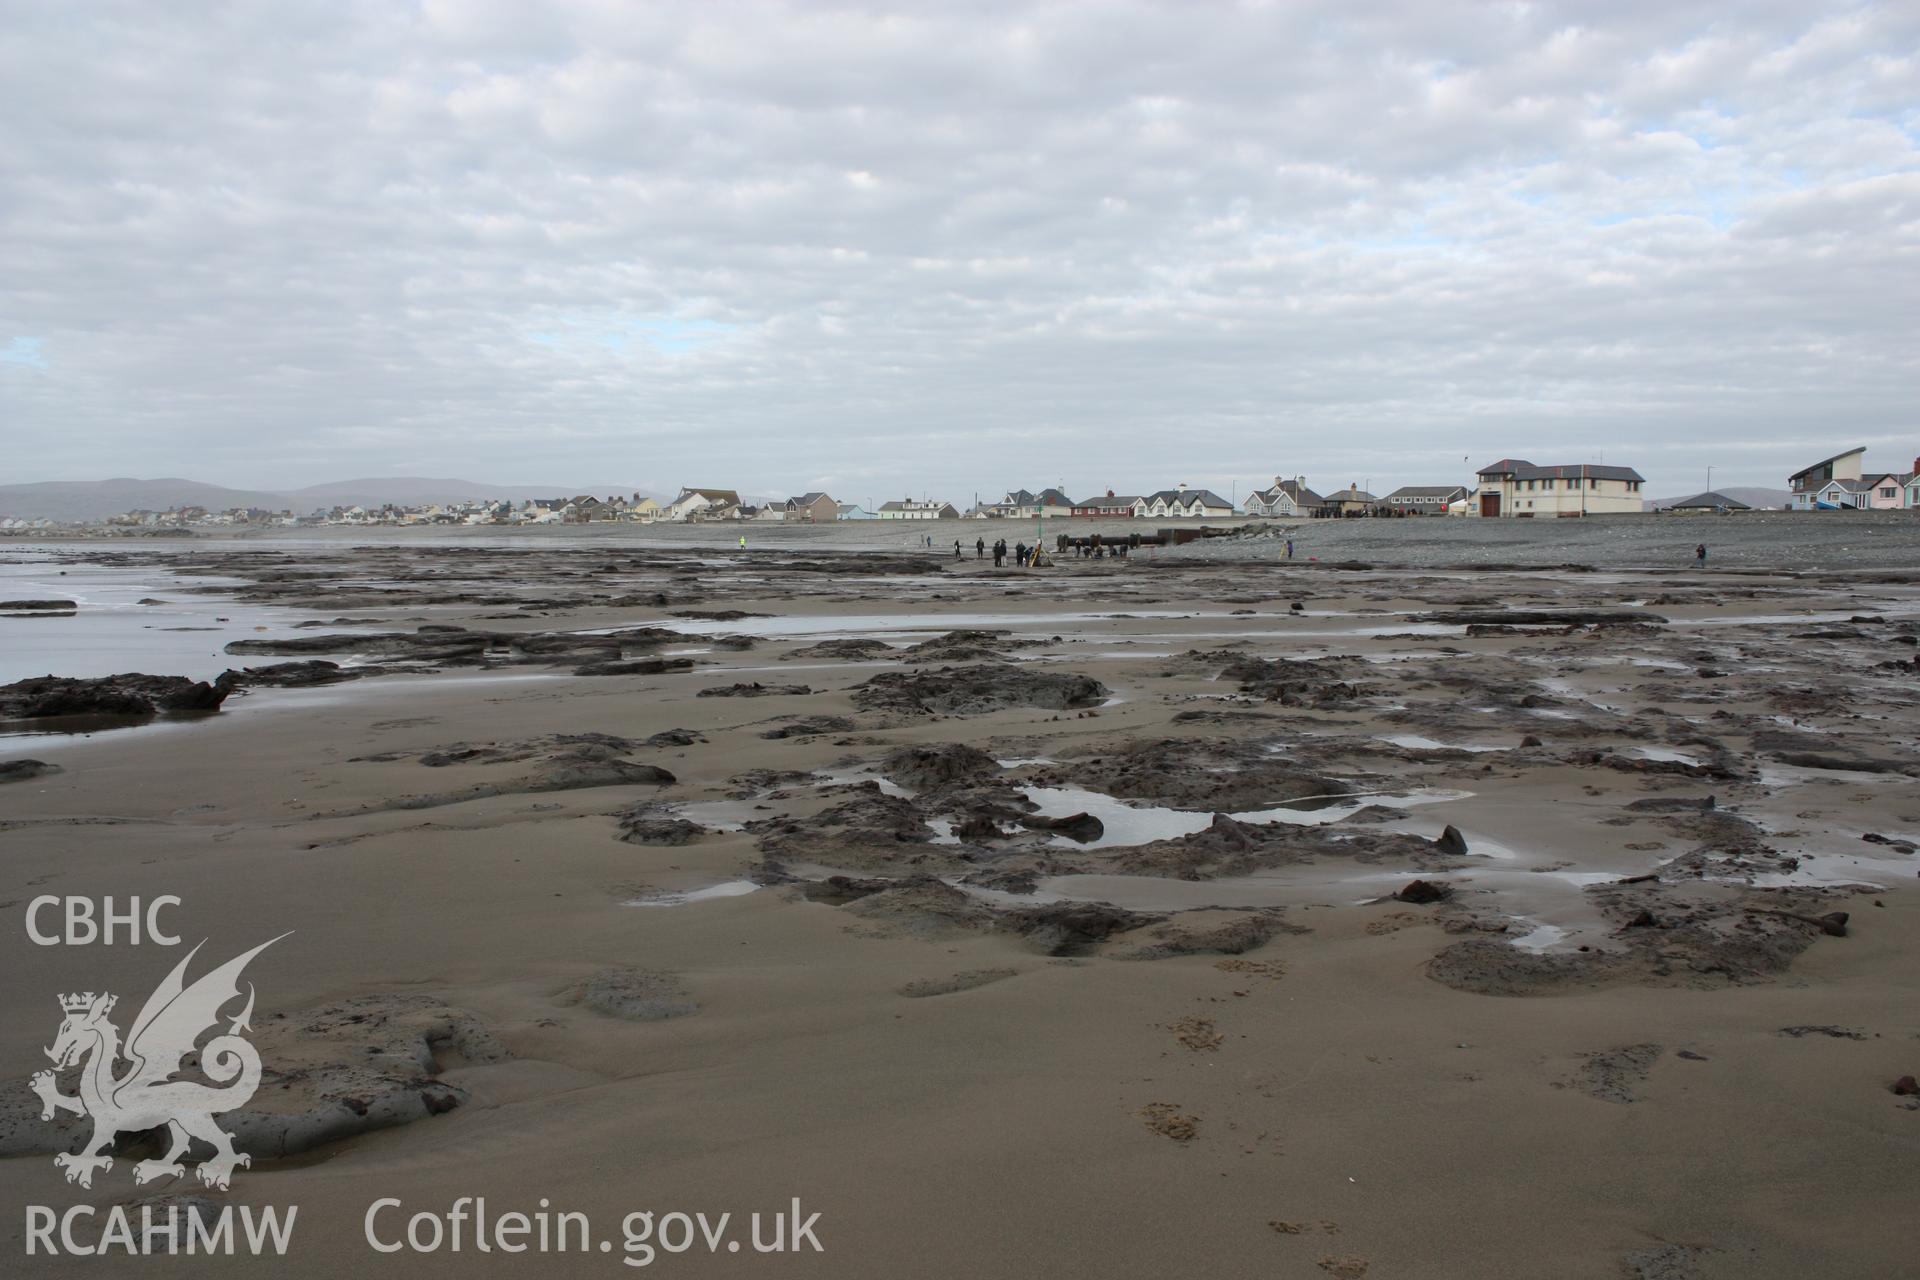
<point x="1414" y="742"/>
<point x="717" y="815"/>
<point x="1130" y="824"/>
<point x="681" y="897"/>
<point x="111" y="633"/>
<point x="859" y="777"/>
<point x="1666" y="755"/>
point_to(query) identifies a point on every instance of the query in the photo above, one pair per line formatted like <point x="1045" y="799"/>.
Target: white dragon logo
<point x="147" y="1096"/>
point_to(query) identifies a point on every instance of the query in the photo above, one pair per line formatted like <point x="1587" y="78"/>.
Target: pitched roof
<point x="1425" y="491"/>
<point x="711" y="495"/>
<point x="1712" y="498"/>
<point x="807" y="499"/>
<point x="1349" y="495"/>
<point x="1301" y="495"/>
<point x="1206" y="497"/>
<point x="1521" y="469"/>
<point x="1054" y="498"/>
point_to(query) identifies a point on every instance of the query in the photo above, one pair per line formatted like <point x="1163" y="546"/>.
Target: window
<point x="1889" y="493"/>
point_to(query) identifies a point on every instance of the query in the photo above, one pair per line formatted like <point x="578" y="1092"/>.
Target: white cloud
<point x="1145" y="241"/>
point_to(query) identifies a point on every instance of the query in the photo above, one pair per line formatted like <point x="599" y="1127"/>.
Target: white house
<point x="1181" y="502"/>
<point x="1285" y="498"/>
<point x="909" y="509"/>
<point x="696" y="503"/>
<point x="1019" y="504"/>
<point x="1515" y="487"/>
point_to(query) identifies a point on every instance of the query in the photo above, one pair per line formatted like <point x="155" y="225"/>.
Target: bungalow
<point x="1421" y="499"/>
<point x="811" y="508"/>
<point x="854" y="511"/>
<point x="1019" y="504"/>
<point x="1181" y="502"/>
<point x="1711" y="502"/>
<point x="1285" y="498"/>
<point x="701" y="503"/>
<point x="1837" y="495"/>
<point x="1111" y="506"/>
<point x="644" y="509"/>
<point x="1350" y="501"/>
<point x="1516" y="487"/>
<point x="1807" y="482"/>
<point x="1888" y="491"/>
<point x="1055" y="503"/>
<point x="925" y="509"/>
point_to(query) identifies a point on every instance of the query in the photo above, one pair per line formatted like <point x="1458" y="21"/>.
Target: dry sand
<point x="832" y="966"/>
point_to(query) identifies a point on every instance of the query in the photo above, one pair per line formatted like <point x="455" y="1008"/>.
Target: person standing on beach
<point x="1700" y="556"/>
<point x="1289" y="548"/>
<point x="743" y="542"/>
<point x="956" y="550"/>
<point x="979" y="548"/>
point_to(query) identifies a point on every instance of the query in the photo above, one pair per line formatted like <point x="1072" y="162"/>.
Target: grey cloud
<point x="955" y="248"/>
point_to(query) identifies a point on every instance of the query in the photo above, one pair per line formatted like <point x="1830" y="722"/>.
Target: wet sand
<point x="822" y="918"/>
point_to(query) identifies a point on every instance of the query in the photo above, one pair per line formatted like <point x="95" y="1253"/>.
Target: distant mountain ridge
<point x="74" y="500"/>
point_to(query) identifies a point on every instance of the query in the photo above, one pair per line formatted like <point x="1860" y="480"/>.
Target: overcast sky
<point x="956" y="248"/>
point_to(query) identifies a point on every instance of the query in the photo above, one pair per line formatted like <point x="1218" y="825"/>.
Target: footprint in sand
<point x="1165" y="1119"/>
<point x="1196" y="1034"/>
<point x="1615" y="1075"/>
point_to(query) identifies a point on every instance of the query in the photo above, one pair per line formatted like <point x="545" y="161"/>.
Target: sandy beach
<point x="1200" y="913"/>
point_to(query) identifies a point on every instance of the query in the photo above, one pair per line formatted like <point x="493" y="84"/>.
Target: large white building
<point x="909" y="509"/>
<point x="1517" y="488"/>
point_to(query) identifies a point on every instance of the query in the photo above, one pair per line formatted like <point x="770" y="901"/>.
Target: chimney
<point x="1180" y="488"/>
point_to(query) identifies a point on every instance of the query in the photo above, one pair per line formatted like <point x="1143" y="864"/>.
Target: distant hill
<point x="75" y="500"/>
<point x="1758" y="498"/>
<point x="98" y="499"/>
<point x="407" y="491"/>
